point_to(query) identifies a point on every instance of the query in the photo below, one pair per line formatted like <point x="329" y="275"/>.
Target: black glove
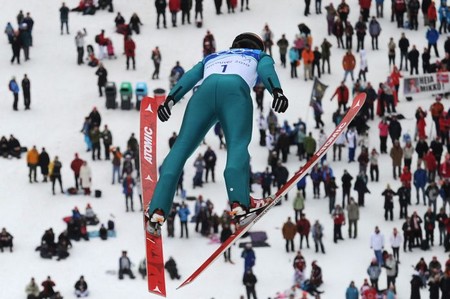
<point x="280" y="102"/>
<point x="164" y="109"/>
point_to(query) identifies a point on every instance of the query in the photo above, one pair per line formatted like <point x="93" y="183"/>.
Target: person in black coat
<point x="403" y="45"/>
<point x="395" y="129"/>
<point x="171" y="267"/>
<point x="16" y="45"/>
<point x="447" y="45"/>
<point x="224" y="235"/>
<point x="421" y="148"/>
<point x="361" y="188"/>
<point x="161" y="11"/>
<point x="119" y="20"/>
<point x="81" y="287"/>
<point x="413" y="57"/>
<point x="4" y="147"/>
<point x="445" y="286"/>
<point x="44" y="161"/>
<point x="281" y="176"/>
<point x="95" y="118"/>
<point x="6" y="240"/>
<point x="346" y="186"/>
<point x="416" y="284"/>
<point x="102" y="74"/>
<point x="388" y="194"/>
<point x="426" y="60"/>
<point x="103" y="233"/>
<point x="316" y="61"/>
<point x="218" y="5"/>
<point x="249" y="280"/>
<point x="135" y="23"/>
<point x="282" y="145"/>
<point x="404" y="198"/>
<point x="266" y="182"/>
<point x="26" y="91"/>
<point x="210" y="159"/>
<point x="14" y="148"/>
<point x="186" y="6"/>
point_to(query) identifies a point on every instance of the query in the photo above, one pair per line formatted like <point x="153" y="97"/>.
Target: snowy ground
<point x="63" y="93"/>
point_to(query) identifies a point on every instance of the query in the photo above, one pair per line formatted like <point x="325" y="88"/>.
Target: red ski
<point x="358" y="102"/>
<point x="149" y="174"/>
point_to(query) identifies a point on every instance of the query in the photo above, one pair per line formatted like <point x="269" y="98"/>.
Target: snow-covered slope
<point x="63" y="93"/>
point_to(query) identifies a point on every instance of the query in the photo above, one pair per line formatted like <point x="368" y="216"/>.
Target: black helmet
<point x="248" y="40"/>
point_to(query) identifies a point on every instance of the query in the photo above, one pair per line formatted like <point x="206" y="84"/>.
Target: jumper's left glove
<point x="164" y="109"/>
<point x="280" y="103"/>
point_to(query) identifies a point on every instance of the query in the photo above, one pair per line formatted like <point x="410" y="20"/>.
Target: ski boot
<point x="154" y="222"/>
<point x="243" y="214"/>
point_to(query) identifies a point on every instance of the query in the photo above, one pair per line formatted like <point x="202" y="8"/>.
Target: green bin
<point x="126" y="95"/>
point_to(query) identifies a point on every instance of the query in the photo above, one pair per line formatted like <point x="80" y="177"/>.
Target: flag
<point x="318" y="90"/>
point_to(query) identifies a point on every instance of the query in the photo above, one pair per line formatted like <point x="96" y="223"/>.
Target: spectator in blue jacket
<point x="379" y="8"/>
<point x="183" y="213"/>
<point x="249" y="257"/>
<point x="420" y="181"/>
<point x="432" y="38"/>
<point x="14" y="88"/>
<point x="352" y="291"/>
<point x="301" y="185"/>
<point x="443" y="15"/>
<point x="293" y="58"/>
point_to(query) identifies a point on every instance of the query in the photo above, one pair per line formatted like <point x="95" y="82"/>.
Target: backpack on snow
<point x="424" y="245"/>
<point x="97" y="38"/>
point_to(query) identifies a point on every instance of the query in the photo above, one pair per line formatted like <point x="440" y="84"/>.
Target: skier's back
<point x="224" y="82"/>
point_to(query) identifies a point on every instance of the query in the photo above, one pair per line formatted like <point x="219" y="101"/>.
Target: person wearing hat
<point x="224" y="80"/>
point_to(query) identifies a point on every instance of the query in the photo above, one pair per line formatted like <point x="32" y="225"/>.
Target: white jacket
<point x="85" y="176"/>
<point x="377" y="241"/>
<point x="396" y="241"/>
<point x="351" y="138"/>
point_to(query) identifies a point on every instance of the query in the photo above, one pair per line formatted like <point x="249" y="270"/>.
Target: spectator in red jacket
<point x="406" y="177"/>
<point x="342" y="96"/>
<point x="75" y="166"/>
<point x="365" y="9"/>
<point x="130" y="48"/>
<point x="432" y="14"/>
<point x="445" y="167"/>
<point x="174" y="8"/>
<point x="338" y="220"/>
<point x="395" y="78"/>
<point x="303" y="228"/>
<point x="430" y="165"/>
<point x="444" y="126"/>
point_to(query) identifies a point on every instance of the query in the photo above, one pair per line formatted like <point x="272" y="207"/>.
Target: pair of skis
<point x="155" y="262"/>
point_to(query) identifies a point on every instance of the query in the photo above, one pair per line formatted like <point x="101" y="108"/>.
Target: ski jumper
<point x="224" y="82"/>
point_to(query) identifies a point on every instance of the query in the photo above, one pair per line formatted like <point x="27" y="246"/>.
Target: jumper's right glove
<point x="280" y="102"/>
<point x="164" y="109"/>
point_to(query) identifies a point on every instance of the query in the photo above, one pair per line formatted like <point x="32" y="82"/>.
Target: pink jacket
<point x="384" y="129"/>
